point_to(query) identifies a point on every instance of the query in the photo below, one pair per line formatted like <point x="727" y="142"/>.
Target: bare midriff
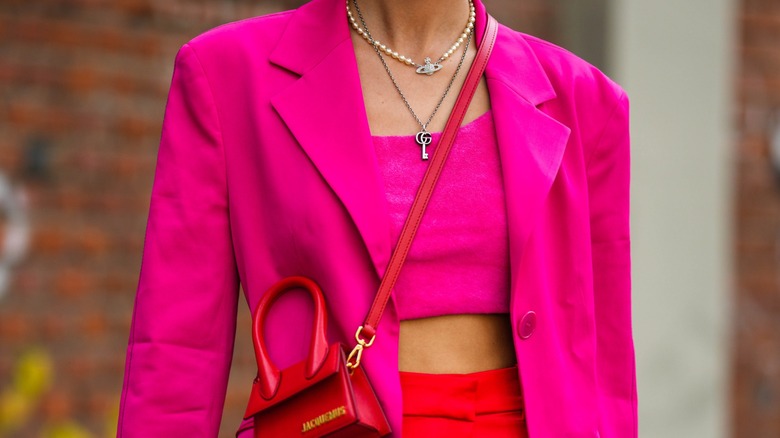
<point x="456" y="344"/>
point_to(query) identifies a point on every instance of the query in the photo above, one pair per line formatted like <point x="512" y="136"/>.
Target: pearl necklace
<point x="429" y="67"/>
<point x="423" y="138"/>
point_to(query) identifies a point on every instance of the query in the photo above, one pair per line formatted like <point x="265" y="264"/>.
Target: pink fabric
<point x="459" y="260"/>
<point x="266" y="169"/>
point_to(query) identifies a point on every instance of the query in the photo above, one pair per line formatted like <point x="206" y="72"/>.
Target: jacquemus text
<point x="325" y="418"/>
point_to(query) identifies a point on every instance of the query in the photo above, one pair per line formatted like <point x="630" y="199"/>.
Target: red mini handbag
<point x="320" y="396"/>
<point x="329" y="394"/>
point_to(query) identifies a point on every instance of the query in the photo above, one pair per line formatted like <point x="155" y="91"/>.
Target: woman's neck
<point x="416" y="28"/>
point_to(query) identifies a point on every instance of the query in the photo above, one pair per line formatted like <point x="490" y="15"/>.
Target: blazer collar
<point x="314" y="30"/>
<point x="319" y="26"/>
<point x="325" y="111"/>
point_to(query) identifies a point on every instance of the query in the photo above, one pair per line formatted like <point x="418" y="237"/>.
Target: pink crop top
<point x="459" y="260"/>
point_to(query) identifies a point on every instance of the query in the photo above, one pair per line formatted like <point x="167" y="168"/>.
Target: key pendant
<point x="429" y="68"/>
<point x="423" y="138"/>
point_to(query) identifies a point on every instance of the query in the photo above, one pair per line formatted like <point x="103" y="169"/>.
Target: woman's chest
<point x="397" y="101"/>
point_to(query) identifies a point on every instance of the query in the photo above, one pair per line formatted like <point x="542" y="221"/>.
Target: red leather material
<point x="268" y="374"/>
<point x="317" y="396"/>
<point x="431" y="176"/>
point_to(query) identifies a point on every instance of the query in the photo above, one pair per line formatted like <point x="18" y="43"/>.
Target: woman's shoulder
<point x="574" y="92"/>
<point x="568" y="73"/>
<point x="254" y="36"/>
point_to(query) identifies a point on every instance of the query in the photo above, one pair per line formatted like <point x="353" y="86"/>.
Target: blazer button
<point x="527" y="325"/>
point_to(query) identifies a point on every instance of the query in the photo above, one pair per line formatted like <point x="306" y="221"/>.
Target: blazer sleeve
<point x="608" y="186"/>
<point x="183" y="326"/>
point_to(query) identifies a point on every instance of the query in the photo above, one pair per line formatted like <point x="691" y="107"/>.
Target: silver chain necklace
<point x="430" y="67"/>
<point x="423" y="138"/>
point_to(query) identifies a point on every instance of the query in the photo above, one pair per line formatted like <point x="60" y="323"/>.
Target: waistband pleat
<point x="461" y="396"/>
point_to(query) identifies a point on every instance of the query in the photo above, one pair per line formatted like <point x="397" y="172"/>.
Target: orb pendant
<point x="429" y="68"/>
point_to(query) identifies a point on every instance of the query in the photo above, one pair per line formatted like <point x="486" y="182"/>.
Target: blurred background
<point x="83" y="85"/>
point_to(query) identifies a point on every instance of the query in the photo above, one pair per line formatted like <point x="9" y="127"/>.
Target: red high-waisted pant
<point x="483" y="404"/>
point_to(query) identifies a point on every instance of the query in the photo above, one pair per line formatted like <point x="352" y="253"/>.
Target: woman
<point x="288" y="149"/>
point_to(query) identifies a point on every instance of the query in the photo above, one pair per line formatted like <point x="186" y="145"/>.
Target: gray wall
<point x="676" y="60"/>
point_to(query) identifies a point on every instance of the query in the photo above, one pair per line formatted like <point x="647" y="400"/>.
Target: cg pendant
<point x="429" y="68"/>
<point x="423" y="138"/>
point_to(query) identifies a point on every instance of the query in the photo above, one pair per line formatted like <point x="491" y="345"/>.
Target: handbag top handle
<point x="268" y="375"/>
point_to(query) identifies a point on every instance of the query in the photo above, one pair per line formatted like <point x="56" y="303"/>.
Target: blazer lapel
<point x="531" y="146"/>
<point x="324" y="110"/>
<point x="531" y="143"/>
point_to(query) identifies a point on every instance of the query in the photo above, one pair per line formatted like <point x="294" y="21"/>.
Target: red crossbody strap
<point x="365" y="334"/>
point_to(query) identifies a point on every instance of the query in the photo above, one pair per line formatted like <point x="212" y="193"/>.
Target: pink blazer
<point x="266" y="169"/>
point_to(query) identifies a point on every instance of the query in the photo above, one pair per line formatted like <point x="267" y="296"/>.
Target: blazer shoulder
<point x="570" y="74"/>
<point x="585" y="99"/>
<point x="254" y="36"/>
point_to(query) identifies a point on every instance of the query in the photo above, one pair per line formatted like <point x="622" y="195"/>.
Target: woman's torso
<point x="273" y="160"/>
<point x="459" y="343"/>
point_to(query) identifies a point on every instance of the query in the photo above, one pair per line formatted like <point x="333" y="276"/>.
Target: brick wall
<point x="756" y="354"/>
<point x="82" y="91"/>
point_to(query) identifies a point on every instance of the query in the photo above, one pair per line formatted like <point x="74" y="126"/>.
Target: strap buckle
<point x="353" y="360"/>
